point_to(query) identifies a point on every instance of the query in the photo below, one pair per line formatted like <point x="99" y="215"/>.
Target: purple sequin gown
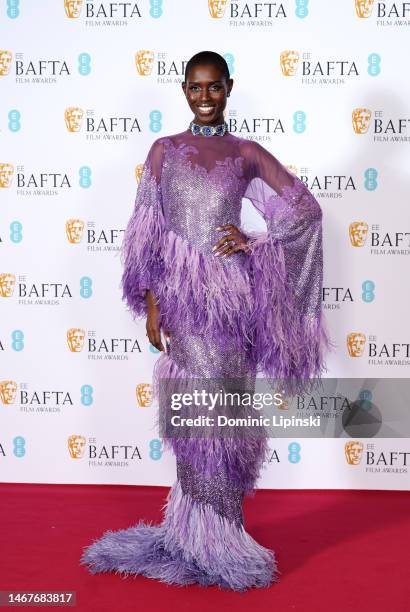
<point x="255" y="312"/>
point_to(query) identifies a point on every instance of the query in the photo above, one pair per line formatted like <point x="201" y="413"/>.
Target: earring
<point x="228" y="95"/>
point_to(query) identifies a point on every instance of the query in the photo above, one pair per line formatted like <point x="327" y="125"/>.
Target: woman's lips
<point x="205" y="110"/>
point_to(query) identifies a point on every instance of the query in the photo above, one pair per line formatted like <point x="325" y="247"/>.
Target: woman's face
<point x="206" y="90"/>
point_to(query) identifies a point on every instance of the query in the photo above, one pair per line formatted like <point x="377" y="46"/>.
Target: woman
<point x="230" y="304"/>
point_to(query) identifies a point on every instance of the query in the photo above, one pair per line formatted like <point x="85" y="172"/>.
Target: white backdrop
<point x="341" y="56"/>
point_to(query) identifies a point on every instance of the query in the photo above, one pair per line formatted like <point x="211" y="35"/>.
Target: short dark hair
<point x="208" y="57"/>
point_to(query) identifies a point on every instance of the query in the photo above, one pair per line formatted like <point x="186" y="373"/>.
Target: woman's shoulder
<point x="169" y="138"/>
<point x="157" y="147"/>
<point x="251" y="150"/>
<point x="248" y="147"/>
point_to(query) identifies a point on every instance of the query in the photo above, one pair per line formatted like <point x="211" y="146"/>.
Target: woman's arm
<point x="141" y="251"/>
<point x="286" y="267"/>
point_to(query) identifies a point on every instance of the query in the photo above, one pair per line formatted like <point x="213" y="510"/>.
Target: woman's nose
<point x="204" y="95"/>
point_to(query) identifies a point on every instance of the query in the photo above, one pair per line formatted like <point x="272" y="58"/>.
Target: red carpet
<point x="337" y="550"/>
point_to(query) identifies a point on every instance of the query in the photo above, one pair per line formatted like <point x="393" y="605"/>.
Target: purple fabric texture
<point x="250" y="313"/>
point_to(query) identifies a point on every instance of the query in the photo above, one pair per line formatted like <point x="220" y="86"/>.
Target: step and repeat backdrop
<point x="85" y="88"/>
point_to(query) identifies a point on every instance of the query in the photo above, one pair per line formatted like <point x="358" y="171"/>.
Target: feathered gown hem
<point x="174" y="552"/>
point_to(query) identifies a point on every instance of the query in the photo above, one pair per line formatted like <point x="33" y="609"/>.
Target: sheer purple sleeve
<point x="286" y="266"/>
<point x="140" y="251"/>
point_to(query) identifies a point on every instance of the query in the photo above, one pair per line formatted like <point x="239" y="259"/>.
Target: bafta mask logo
<point x="5" y="62"/>
<point x="358" y="233"/>
<point x="289" y="62"/>
<point x="8" y="390"/>
<point x="144" y="60"/>
<point x="75" y="339"/>
<point x="73" y="8"/>
<point x="292" y="169"/>
<point x="76" y="446"/>
<point x="143" y="392"/>
<point x="361" y="120"/>
<point x="353" y="452"/>
<point x="7" y="283"/>
<point x="73" y="116"/>
<point x="74" y="230"/>
<point x="217" y="8"/>
<point x="364" y="8"/>
<point x="138" y="172"/>
<point x="355" y="344"/>
<point x="6" y="175"/>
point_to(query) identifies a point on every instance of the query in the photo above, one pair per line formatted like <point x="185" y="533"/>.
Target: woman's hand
<point x="232" y="242"/>
<point x="153" y="325"/>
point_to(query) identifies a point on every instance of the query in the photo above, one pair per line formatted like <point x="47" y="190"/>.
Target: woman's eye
<point x="213" y="87"/>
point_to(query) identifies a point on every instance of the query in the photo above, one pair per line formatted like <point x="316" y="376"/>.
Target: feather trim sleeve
<point x="141" y="247"/>
<point x="286" y="268"/>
